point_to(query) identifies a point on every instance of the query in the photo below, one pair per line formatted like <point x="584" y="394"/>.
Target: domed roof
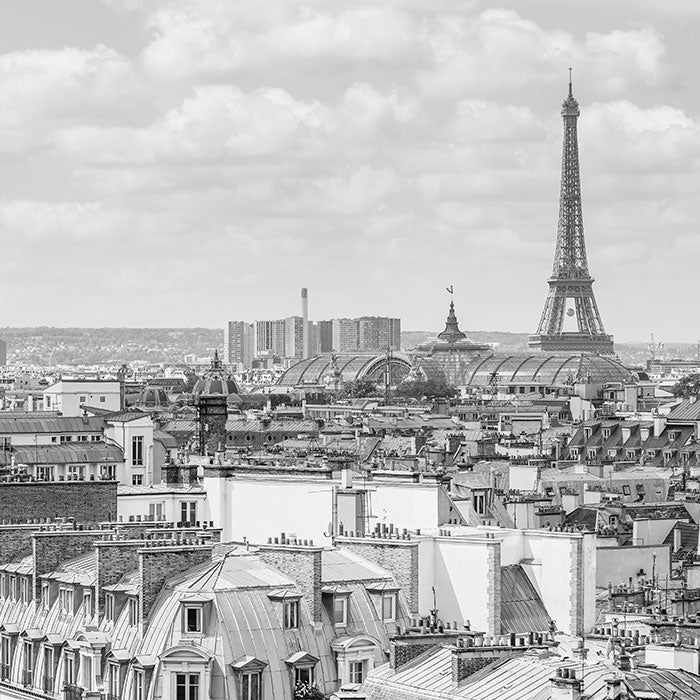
<point x="313" y="370"/>
<point x="152" y="397"/>
<point x="548" y="370"/>
<point x="215" y="381"/>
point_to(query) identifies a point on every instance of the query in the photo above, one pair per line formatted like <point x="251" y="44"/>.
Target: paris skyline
<point x="212" y="160"/>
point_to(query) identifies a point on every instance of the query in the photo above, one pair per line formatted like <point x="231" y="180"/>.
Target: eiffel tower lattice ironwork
<point x="570" y="320"/>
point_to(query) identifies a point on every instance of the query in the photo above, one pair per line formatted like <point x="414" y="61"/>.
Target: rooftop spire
<point x="451" y="332"/>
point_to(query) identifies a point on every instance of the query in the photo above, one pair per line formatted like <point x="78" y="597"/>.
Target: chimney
<point x="158" y="564"/>
<point x="565" y="685"/>
<point x="303" y="565"/>
<point x="50" y="549"/>
<point x="614" y="689"/>
<point x="398" y="556"/>
<point x="305" y="322"/>
<point x="114" y="559"/>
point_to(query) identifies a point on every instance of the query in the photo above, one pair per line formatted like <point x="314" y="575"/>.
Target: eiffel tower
<point x="570" y="320"/>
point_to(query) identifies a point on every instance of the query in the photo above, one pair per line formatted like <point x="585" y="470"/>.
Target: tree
<point x="430" y="389"/>
<point x="359" y="389"/>
<point x="688" y="386"/>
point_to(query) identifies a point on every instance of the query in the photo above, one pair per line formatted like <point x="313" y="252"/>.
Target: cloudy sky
<point x="183" y="162"/>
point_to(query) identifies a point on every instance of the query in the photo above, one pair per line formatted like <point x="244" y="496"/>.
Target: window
<point x="45" y="595"/>
<point x="133" y="611"/>
<point x="28" y="664"/>
<point x="82" y="399"/>
<point x="304" y="674"/>
<point x="626" y="490"/>
<point x="87" y="603"/>
<point x="47" y="400"/>
<point x="113" y="681"/>
<point x="109" y="607"/>
<point x="389" y="607"/>
<point x="54" y="438"/>
<point x="82" y="438"/>
<point x="76" y="472"/>
<point x="24" y="589"/>
<point x="137" y="450"/>
<point x="340" y="610"/>
<point x="65" y="600"/>
<point x="103" y="399"/>
<point x="357" y="671"/>
<point x="156" y="511"/>
<point x="193" y="619"/>
<point x="251" y="686"/>
<point x="187" y="686"/>
<point x="188" y="512"/>
<point x="640" y="489"/>
<point x="291" y="614"/>
<point x="3" y="585"/>
<point x="138" y="684"/>
<point x="69" y="668"/>
<point x="44" y="473"/>
<point x="137" y="479"/>
<point x="48" y="670"/>
<point x="5" y="657"/>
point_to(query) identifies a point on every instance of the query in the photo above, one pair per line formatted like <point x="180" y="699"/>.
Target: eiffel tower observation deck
<point x="570" y="320"/>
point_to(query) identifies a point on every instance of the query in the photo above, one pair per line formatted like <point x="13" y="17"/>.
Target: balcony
<point x="109" y="696"/>
<point x="47" y="684"/>
<point x="72" y="692"/>
<point x="27" y="678"/>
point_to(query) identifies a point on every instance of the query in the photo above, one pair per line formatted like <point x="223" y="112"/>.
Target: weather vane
<point x="450" y="290"/>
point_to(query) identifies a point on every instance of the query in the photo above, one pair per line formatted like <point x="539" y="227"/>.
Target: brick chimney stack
<point x="565" y="685"/>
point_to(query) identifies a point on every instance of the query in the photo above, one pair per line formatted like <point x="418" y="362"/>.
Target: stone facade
<point x="493" y="609"/>
<point x="87" y="502"/>
<point x="158" y="564"/>
<point x="303" y="565"/>
<point x="51" y="549"/>
<point x="114" y="559"/>
<point x="398" y="556"/>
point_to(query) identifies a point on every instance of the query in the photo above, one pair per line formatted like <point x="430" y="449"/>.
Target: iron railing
<point x="47" y="684"/>
<point x="27" y="677"/>
<point x="72" y="692"/>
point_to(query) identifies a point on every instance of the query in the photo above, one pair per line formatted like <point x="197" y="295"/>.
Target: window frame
<point x="247" y="693"/>
<point x="198" y="609"/>
<point x="391" y="598"/>
<point x="344" y="600"/>
<point x="353" y="668"/>
<point x="290" y="614"/>
<point x="188" y="686"/>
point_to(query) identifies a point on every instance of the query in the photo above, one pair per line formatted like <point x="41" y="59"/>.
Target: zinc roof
<point x="337" y="565"/>
<point x="54" y="424"/>
<point x="522" y="609"/>
<point x="688" y="410"/>
<point x="66" y="453"/>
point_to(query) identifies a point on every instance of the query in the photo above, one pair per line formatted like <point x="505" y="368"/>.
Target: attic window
<point x="626" y="490"/>
<point x="291" y="614"/>
<point x="192" y="619"/>
<point x="65" y="600"/>
<point x="340" y="610"/>
<point x="388" y="607"/>
<point x="109" y="607"/>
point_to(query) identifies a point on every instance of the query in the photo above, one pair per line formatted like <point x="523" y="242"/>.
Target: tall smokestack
<point x="305" y="322"/>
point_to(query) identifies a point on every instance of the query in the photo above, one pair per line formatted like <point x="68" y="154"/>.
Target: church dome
<point x="215" y="381"/>
<point x="152" y="397"/>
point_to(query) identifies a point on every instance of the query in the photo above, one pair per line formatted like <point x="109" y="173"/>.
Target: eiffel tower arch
<point x="570" y="320"/>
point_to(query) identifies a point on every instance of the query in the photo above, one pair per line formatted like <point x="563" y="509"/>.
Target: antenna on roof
<point x="571" y="89"/>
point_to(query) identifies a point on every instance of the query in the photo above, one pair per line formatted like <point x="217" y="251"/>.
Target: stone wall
<point x="87" y="502"/>
<point x="158" y="564"/>
<point x="398" y="557"/>
<point x="303" y="565"/>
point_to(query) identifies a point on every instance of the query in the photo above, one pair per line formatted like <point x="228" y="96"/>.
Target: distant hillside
<point x="92" y="346"/>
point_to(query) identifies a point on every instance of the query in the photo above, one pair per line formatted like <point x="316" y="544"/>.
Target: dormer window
<point x="291" y="614"/>
<point x="186" y="686"/>
<point x="109" y="607"/>
<point x="388" y="607"/>
<point x="65" y="600"/>
<point x="87" y="604"/>
<point x="24" y="589"/>
<point x="133" y="611"/>
<point x="249" y="671"/>
<point x="340" y="610"/>
<point x="192" y="619"/>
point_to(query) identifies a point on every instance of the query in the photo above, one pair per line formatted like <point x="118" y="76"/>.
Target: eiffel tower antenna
<point x="570" y="320"/>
